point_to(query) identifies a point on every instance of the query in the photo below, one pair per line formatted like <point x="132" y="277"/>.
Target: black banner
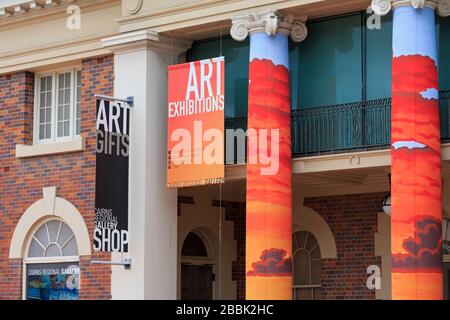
<point x="111" y="179"/>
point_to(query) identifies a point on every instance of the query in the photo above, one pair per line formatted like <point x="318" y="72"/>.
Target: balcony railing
<point x="347" y="127"/>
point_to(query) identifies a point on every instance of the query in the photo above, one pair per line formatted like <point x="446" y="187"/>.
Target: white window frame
<point x="39" y="260"/>
<point x="54" y="123"/>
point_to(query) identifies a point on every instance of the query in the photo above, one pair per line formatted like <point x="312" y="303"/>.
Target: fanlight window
<point x="194" y="246"/>
<point x="53" y="239"/>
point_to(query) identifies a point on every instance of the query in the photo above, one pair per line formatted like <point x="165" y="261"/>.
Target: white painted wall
<point x="142" y="73"/>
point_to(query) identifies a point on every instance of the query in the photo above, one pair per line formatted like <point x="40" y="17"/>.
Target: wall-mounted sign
<point x="111" y="186"/>
<point x="196" y="118"/>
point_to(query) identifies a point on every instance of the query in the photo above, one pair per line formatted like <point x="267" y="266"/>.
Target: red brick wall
<point x="353" y="219"/>
<point x="73" y="174"/>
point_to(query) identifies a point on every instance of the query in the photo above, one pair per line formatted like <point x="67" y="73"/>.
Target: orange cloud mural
<point x="269" y="197"/>
<point x="272" y="263"/>
<point x="416" y="215"/>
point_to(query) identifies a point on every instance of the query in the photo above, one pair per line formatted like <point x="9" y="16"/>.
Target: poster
<point x="196" y="119"/>
<point x="111" y="179"/>
<point x="53" y="281"/>
<point x="416" y="214"/>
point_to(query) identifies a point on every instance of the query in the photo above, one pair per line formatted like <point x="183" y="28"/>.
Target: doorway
<point x="196" y="282"/>
<point x="197" y="274"/>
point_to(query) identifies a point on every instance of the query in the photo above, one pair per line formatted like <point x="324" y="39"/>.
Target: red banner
<point x="196" y="116"/>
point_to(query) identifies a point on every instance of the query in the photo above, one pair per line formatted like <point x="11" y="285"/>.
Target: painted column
<point x="416" y="214"/>
<point x="140" y="69"/>
<point x="269" y="171"/>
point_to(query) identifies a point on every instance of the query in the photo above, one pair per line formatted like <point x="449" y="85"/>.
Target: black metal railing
<point x="363" y="125"/>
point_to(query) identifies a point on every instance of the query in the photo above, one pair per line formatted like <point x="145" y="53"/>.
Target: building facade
<point x="351" y="66"/>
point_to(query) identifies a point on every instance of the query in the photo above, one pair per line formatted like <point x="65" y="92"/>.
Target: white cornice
<point x="146" y="39"/>
<point x="30" y="6"/>
<point x="382" y="7"/>
<point x="26" y="13"/>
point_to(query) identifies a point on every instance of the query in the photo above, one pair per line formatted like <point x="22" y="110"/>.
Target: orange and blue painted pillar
<point x="416" y="214"/>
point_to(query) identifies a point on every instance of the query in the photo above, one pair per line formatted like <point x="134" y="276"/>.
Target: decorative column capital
<point x="271" y="23"/>
<point x="382" y="7"/>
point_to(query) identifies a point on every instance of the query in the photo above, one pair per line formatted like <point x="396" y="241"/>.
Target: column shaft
<point x="269" y="191"/>
<point x="416" y="163"/>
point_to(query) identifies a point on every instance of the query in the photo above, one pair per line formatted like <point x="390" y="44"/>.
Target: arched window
<point x="52" y="263"/>
<point x="197" y="275"/>
<point x="306" y="266"/>
<point x="194" y="246"/>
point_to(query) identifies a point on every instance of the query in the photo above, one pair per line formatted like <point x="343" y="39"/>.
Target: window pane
<point x="53" y="251"/>
<point x="311" y="242"/>
<point x="66" y="129"/>
<point x="35" y="250"/>
<point x="61" y="81"/>
<point x="315" y="253"/>
<point x="65" y="234"/>
<point x="315" y="272"/>
<point x="42" y="132"/>
<point x="53" y="227"/>
<point x="194" y="246"/>
<point x="48" y="115"/>
<point x="60" y="113"/>
<point x="45" y="106"/>
<point x="294" y="242"/>
<point x="301" y="238"/>
<point x="379" y="59"/>
<point x="329" y="63"/>
<point x="63" y="104"/>
<point x="48" y="98"/>
<point x="42" y="102"/>
<point x="301" y="268"/>
<point x="70" y="249"/>
<point x="443" y="34"/>
<point x="41" y="235"/>
<point x="48" y="131"/>
<point x="41" y="115"/>
<point x="78" y="104"/>
<point x="303" y="294"/>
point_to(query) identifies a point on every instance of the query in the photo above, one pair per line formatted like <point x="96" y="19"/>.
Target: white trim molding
<point x="271" y="22"/>
<point x="382" y="7"/>
<point x="78" y="144"/>
<point x="306" y="219"/>
<point x="49" y="206"/>
<point x="137" y="40"/>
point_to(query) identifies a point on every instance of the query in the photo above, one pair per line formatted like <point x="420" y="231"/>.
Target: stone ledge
<point x="28" y="151"/>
